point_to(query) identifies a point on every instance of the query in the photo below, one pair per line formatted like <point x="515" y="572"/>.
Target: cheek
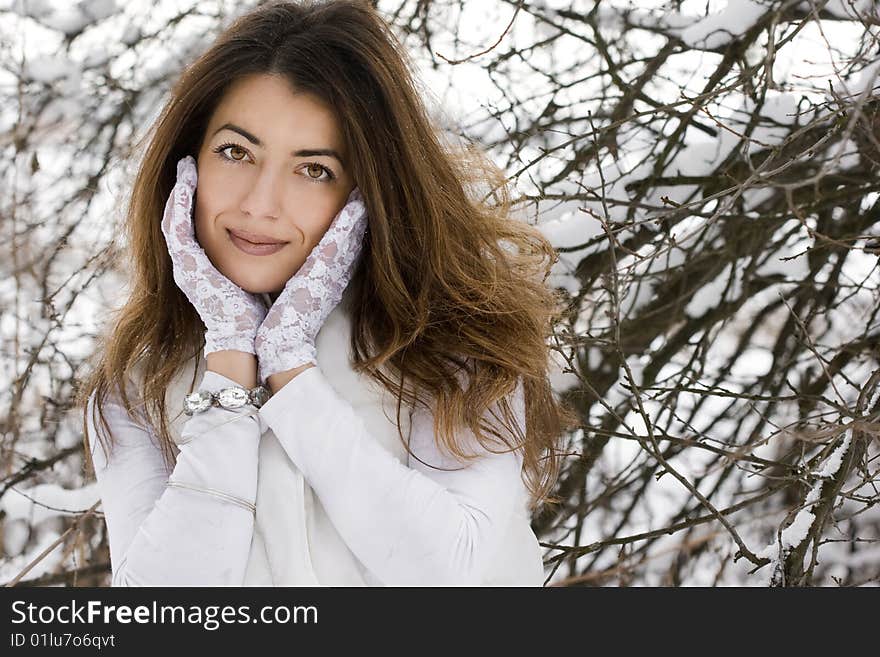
<point x="314" y="228"/>
<point x="209" y="204"/>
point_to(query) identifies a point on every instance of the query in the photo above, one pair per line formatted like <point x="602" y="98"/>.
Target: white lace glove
<point x="286" y="338"/>
<point x="230" y="314"/>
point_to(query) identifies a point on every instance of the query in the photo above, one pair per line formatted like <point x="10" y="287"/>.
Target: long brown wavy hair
<point x="448" y="283"/>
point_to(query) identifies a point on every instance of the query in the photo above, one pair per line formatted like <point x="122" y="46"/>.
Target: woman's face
<point x="271" y="167"/>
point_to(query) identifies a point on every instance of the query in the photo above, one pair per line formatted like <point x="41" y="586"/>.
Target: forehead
<point x="270" y="108"/>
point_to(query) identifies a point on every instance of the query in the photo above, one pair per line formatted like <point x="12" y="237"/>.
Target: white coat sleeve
<point x="170" y="536"/>
<point x="409" y="525"/>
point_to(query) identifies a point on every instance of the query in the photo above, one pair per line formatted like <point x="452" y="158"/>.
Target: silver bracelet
<point x="231" y="397"/>
<point x="216" y="493"/>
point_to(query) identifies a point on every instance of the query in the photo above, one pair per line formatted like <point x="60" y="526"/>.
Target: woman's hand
<point x="286" y="338"/>
<point x="231" y="315"/>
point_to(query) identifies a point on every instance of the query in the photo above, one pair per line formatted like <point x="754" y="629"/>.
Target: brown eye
<point x="230" y="146"/>
<point x="320" y="169"/>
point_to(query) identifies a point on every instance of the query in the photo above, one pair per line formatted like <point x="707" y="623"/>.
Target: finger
<point x="178" y="225"/>
<point x="350" y="234"/>
<point x="345" y="219"/>
<point x="347" y="223"/>
<point x="353" y="213"/>
<point x="332" y="245"/>
<point x="173" y="226"/>
<point x="177" y="222"/>
<point x="186" y="171"/>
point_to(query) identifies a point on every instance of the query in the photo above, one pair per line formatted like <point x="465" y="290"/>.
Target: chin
<point x="265" y="277"/>
<point x="252" y="286"/>
<point x="257" y="289"/>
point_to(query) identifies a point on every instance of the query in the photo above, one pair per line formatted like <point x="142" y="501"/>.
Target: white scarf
<point x="295" y="543"/>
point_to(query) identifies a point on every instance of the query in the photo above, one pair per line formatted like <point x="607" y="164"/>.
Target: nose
<point x="263" y="199"/>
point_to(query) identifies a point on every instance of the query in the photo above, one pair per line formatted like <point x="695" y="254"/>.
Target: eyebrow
<point x="303" y="152"/>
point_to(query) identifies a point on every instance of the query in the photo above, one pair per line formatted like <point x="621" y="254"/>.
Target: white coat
<point x="297" y="537"/>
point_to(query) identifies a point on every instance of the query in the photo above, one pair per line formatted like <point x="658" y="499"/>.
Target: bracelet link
<point x="231" y="397"/>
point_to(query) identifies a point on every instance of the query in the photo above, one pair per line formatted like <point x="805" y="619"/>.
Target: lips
<point x="252" y="248"/>
<point x="255" y="238"/>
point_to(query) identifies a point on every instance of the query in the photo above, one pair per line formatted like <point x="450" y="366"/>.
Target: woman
<point x="319" y="240"/>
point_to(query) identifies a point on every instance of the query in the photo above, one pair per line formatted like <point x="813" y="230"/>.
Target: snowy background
<point x="708" y="172"/>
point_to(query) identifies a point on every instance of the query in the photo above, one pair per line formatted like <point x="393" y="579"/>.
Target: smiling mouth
<point x="245" y="237"/>
<point x="252" y="248"/>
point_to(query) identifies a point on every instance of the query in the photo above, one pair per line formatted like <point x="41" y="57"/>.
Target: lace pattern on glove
<point x="286" y="338"/>
<point x="230" y="314"/>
